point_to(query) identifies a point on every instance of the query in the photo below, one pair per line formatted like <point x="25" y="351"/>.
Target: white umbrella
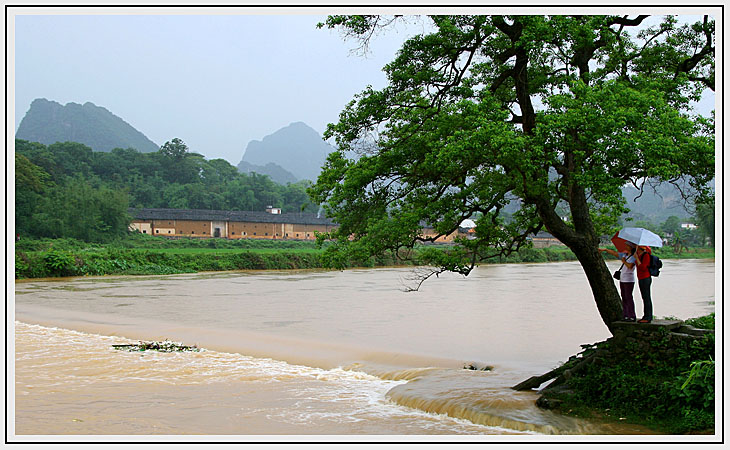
<point x="640" y="236"/>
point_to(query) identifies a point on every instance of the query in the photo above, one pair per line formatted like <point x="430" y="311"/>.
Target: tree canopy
<point x="556" y="112"/>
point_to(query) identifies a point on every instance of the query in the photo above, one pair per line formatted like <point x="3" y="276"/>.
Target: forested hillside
<point x="69" y="190"/>
<point x="49" y="122"/>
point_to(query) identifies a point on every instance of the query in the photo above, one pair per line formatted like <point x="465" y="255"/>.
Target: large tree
<point x="555" y="112"/>
<point x="31" y="183"/>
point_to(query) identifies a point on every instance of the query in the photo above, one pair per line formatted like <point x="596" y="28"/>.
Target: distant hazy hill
<point x="296" y="148"/>
<point x="274" y="171"/>
<point x="652" y="206"/>
<point x="48" y="122"/>
<point x="656" y="206"/>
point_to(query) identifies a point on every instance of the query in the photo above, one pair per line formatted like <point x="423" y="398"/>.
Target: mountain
<point x="296" y="148"/>
<point x="654" y="206"/>
<point x="48" y="122"/>
<point x="651" y="206"/>
<point x="274" y="171"/>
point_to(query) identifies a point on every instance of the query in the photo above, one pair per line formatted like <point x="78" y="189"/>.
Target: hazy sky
<point x="215" y="81"/>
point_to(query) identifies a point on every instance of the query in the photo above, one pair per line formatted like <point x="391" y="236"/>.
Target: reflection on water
<point x="314" y="352"/>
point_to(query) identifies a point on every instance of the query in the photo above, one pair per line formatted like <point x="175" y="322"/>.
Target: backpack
<point x="654" y="265"/>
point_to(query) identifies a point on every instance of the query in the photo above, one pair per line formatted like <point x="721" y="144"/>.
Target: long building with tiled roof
<point x="228" y="224"/>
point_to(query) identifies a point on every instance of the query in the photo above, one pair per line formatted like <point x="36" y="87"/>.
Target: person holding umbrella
<point x="626" y="283"/>
<point x="642" y="273"/>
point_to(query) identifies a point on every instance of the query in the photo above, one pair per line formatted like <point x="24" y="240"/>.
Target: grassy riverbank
<point x="663" y="383"/>
<point x="148" y="255"/>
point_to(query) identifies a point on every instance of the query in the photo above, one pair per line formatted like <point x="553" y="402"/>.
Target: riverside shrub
<point x="664" y="383"/>
<point x="704" y="322"/>
<point x="59" y="263"/>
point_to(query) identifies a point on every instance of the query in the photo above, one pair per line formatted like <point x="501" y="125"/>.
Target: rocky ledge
<point x="663" y="336"/>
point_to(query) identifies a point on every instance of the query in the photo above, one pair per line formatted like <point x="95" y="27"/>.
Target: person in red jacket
<point x="626" y="283"/>
<point x="642" y="274"/>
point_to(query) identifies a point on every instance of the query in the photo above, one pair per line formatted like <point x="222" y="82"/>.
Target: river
<point x="313" y="353"/>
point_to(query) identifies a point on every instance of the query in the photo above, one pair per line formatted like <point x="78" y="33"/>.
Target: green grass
<point x="692" y="253"/>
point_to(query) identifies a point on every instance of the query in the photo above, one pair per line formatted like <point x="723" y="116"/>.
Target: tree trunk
<point x="605" y="294"/>
<point x="585" y="247"/>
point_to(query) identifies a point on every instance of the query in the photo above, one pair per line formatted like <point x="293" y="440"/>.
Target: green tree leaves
<point x="556" y="112"/>
<point x="705" y="216"/>
<point x="31" y="182"/>
<point x="81" y="211"/>
<point x="175" y="150"/>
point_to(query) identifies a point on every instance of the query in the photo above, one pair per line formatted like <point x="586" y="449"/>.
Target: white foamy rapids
<point x="478" y="396"/>
<point x="52" y="362"/>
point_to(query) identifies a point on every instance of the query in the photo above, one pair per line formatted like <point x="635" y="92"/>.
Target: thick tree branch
<point x="690" y="63"/>
<point x="500" y="79"/>
<point x="625" y="21"/>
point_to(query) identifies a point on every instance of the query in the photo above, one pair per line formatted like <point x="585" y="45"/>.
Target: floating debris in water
<point x="164" y="346"/>
<point x="474" y="366"/>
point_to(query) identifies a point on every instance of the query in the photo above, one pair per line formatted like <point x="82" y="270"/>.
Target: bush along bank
<point x="659" y="375"/>
<point x="66" y="263"/>
<point x="66" y="258"/>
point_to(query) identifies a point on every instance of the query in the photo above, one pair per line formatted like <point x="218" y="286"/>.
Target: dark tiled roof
<point x="543" y="235"/>
<point x="232" y="216"/>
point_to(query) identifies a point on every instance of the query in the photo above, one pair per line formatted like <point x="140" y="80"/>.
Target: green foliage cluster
<point x="149" y="262"/>
<point x="139" y="240"/>
<point x="705" y="218"/>
<point x="674" y="395"/>
<point x="539" y="255"/>
<point x="68" y="207"/>
<point x="704" y="322"/>
<point x="68" y="190"/>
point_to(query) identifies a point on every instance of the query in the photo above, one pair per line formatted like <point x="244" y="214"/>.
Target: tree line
<point x="67" y="189"/>
<point x="679" y="237"/>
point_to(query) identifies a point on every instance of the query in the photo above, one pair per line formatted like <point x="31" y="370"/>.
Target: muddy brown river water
<point x="313" y="353"/>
